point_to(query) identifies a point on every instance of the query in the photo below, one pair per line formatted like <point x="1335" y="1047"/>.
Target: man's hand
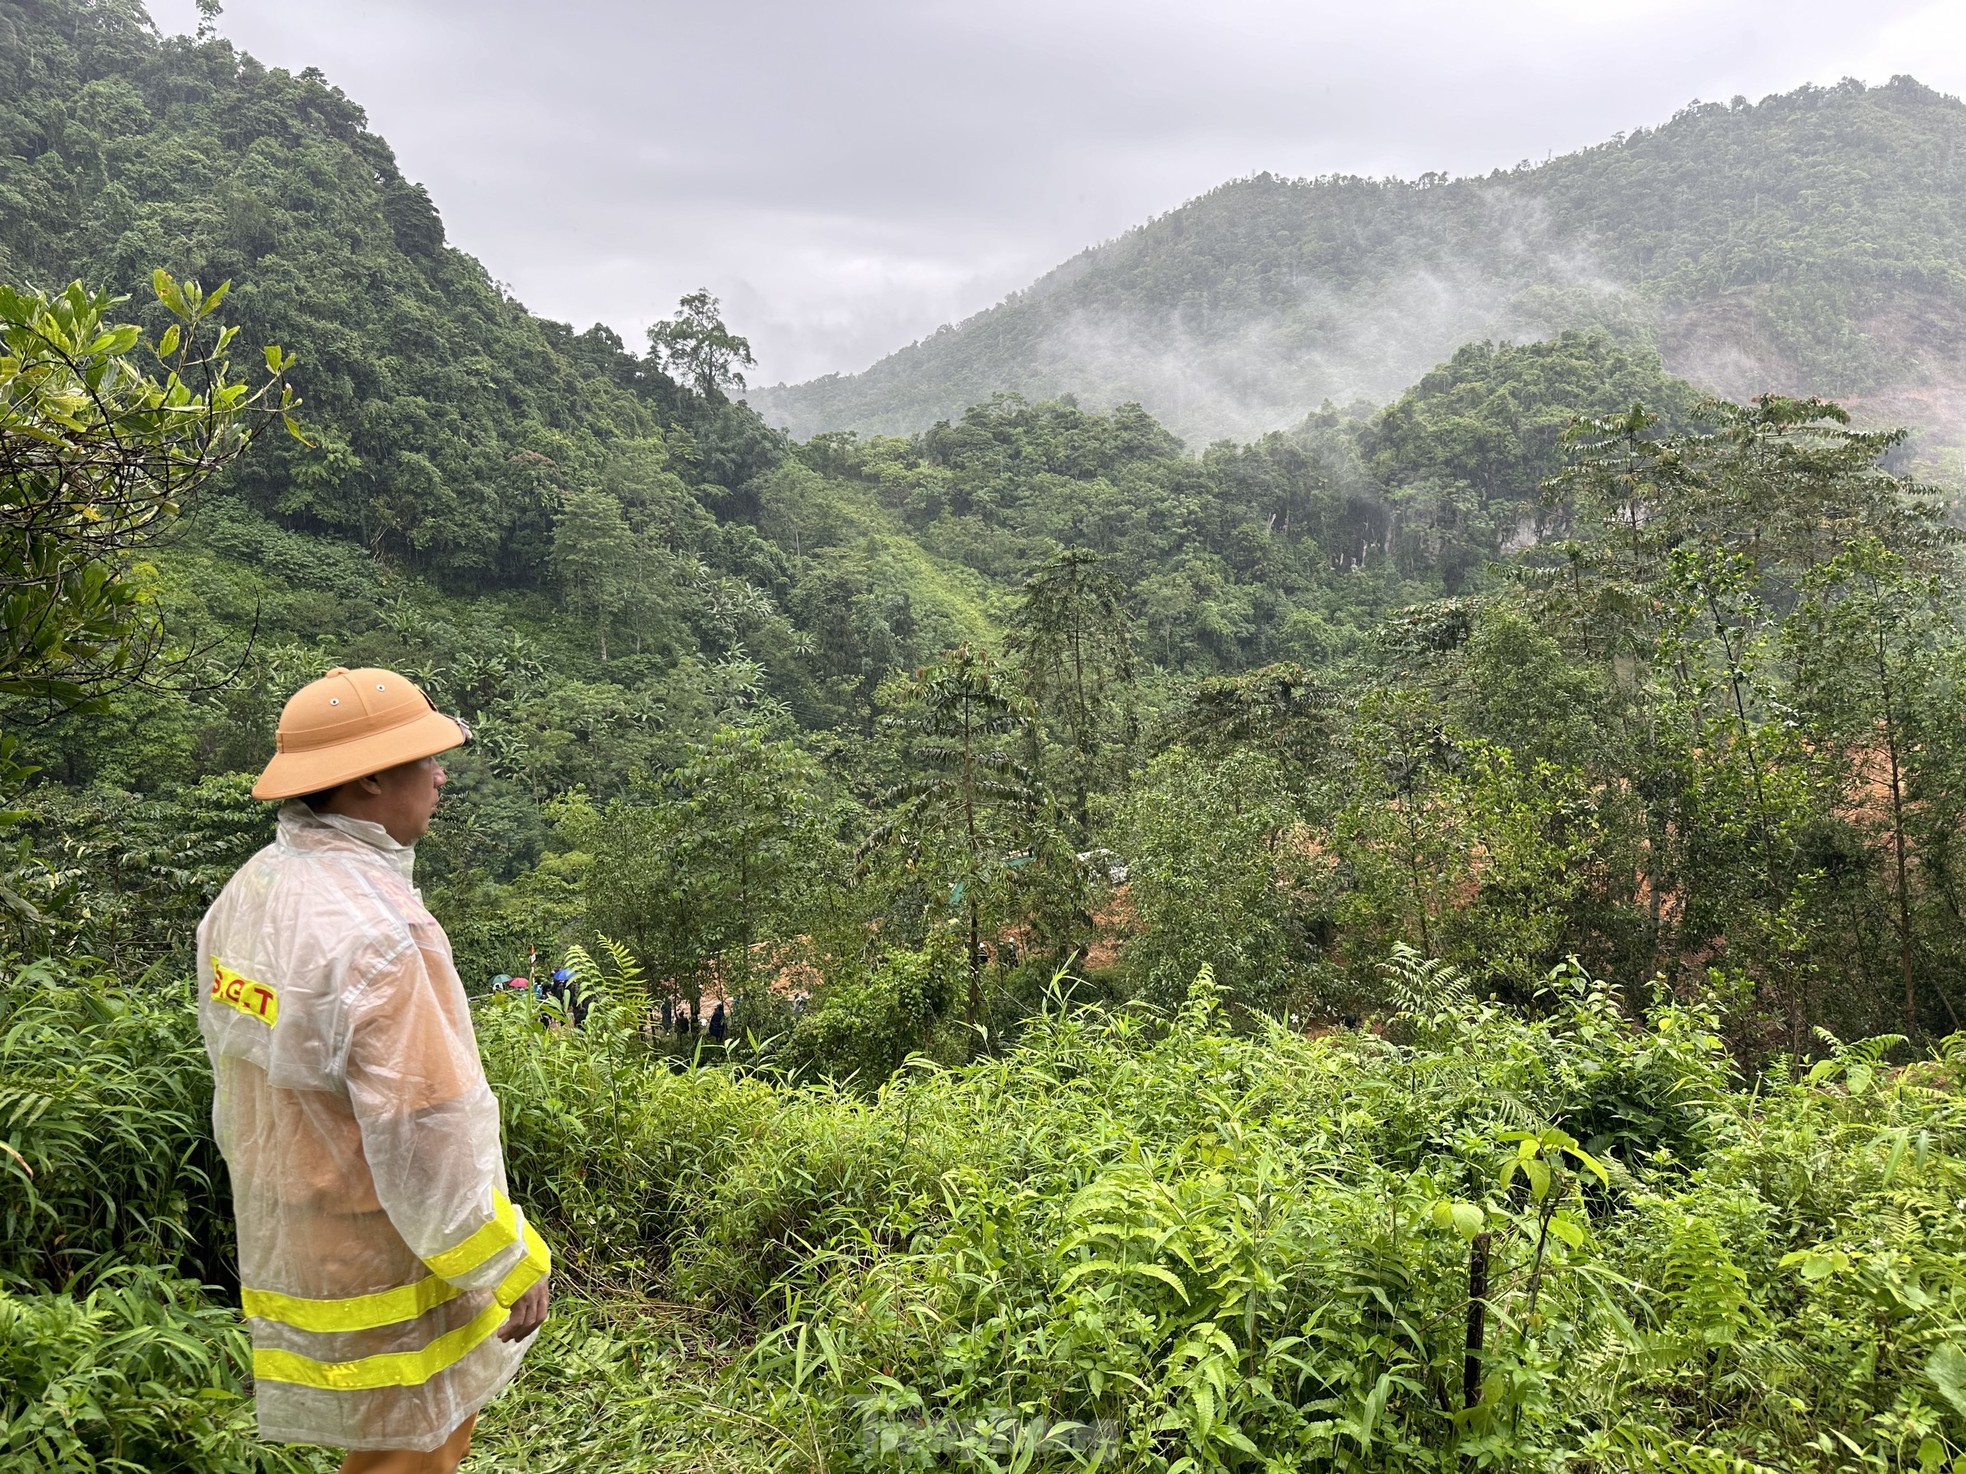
<point x="528" y="1314"/>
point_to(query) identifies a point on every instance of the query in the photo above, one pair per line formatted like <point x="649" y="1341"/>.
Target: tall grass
<point x="1155" y="1244"/>
<point x="106" y="1156"/>
<point x="141" y="1374"/>
<point x="119" y="1347"/>
<point x="1137" y="1241"/>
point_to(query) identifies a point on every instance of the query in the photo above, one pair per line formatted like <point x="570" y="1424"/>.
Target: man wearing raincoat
<point x="391" y="1284"/>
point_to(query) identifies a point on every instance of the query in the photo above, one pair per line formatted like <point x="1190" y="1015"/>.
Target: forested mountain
<point x="1330" y="952"/>
<point x="622" y="578"/>
<point x="658" y="542"/>
<point x="445" y="415"/>
<point x="1814" y="242"/>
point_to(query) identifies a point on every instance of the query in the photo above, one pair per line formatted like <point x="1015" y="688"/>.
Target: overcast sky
<point x="849" y="174"/>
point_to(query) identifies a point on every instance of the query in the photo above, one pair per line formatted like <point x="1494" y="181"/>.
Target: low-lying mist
<point x="1806" y="245"/>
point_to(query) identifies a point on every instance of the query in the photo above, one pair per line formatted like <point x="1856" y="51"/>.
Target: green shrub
<point x="106" y="1154"/>
<point x="866" y="1024"/>
<point x="1186" y="1248"/>
<point x="1141" y="1239"/>
<point x="141" y="1375"/>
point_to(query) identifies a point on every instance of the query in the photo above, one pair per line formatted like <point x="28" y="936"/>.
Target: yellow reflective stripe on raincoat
<point x="354" y="1313"/>
<point x="527" y="1272"/>
<point x="493" y="1239"/>
<point x="405" y="1368"/>
<point x="405" y="1302"/>
<point x="386" y="1369"/>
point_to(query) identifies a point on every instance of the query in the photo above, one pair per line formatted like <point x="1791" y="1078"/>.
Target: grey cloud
<point x="849" y="175"/>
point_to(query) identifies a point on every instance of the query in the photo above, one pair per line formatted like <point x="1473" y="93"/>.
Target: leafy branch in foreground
<point x="98" y="452"/>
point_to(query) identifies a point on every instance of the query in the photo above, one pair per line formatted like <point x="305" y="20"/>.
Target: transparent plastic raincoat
<point x="378" y="1251"/>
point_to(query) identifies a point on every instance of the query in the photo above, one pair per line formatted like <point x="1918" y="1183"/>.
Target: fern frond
<point x="629" y="984"/>
<point x="1204" y="999"/>
<point x="1424" y="985"/>
<point x="1872" y="1051"/>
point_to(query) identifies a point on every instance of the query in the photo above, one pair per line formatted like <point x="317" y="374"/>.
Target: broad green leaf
<point x="1469" y="1220"/>
<point x="168" y="292"/>
<point x="1589" y="1162"/>
<point x="1946" y="1370"/>
<point x="1569" y="1230"/>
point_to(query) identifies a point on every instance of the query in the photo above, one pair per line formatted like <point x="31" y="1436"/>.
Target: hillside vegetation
<point x="1813" y="242"/>
<point x="1431" y="939"/>
<point x="1136" y="1241"/>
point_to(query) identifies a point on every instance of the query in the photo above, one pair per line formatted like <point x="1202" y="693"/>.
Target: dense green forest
<point x="1812" y="242"/>
<point x="1432" y="939"/>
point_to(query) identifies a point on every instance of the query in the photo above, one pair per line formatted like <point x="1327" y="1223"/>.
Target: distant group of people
<point x="678" y="1019"/>
<point x="562" y="991"/>
<point x="559" y="990"/>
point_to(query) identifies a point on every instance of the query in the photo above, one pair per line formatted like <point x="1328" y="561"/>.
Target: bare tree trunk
<point x="974" y="1007"/>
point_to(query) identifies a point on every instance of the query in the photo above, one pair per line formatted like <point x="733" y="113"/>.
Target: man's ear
<point x="370" y="785"/>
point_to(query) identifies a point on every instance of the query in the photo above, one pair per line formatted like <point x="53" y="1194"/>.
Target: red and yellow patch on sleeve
<point x="235" y="990"/>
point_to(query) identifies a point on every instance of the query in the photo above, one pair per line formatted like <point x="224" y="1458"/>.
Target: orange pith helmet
<point x="349" y="724"/>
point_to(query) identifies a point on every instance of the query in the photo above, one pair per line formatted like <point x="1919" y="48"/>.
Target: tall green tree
<point x="695" y="348"/>
<point x="1219" y="867"/>
<point x="1871" y="646"/>
<point x="1691" y="555"/>
<point x="104" y="436"/>
<point x="1281" y="710"/>
<point x="602" y="564"/>
<point x="970" y="813"/>
<point x="728" y="851"/>
<point x="1783" y="483"/>
<point x="753" y="835"/>
<point x="1073" y="641"/>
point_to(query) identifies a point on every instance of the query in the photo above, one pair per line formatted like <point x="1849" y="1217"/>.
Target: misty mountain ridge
<point x="1812" y="243"/>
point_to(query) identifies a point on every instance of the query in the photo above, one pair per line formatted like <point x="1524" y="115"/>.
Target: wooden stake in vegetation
<point x="1477" y="1318"/>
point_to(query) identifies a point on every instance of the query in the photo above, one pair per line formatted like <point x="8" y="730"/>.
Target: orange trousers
<point x="443" y="1459"/>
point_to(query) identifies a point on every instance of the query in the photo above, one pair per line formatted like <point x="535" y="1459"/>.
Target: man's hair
<point x="319" y="798"/>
